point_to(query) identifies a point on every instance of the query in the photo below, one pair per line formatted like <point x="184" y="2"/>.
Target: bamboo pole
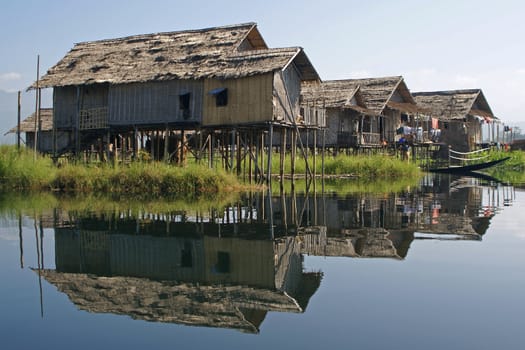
<point x="269" y="171"/>
<point x="262" y="156"/>
<point x="250" y="144"/>
<point x="21" y="240"/>
<point x="293" y="152"/>
<point x="166" y="144"/>
<point x="210" y="151"/>
<point x="18" y="120"/>
<point x="283" y="154"/>
<point x="37" y="90"/>
<point x="238" y="149"/>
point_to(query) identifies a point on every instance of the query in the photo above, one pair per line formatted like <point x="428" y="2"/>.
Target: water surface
<point x="436" y="266"/>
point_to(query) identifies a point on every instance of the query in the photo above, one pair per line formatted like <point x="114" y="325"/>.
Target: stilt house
<point x="167" y="82"/>
<point x="44" y="127"/>
<point x="364" y="112"/>
<point x="346" y="115"/>
<point x="458" y="116"/>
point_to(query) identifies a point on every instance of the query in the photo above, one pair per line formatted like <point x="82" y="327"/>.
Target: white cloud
<point x="521" y="71"/>
<point x="10" y="76"/>
<point x="11" y="81"/>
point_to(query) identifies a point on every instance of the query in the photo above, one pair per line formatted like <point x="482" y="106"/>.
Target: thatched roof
<point x="220" y="52"/>
<point x="375" y="92"/>
<point x="455" y="104"/>
<point x="28" y="124"/>
<point x="333" y="96"/>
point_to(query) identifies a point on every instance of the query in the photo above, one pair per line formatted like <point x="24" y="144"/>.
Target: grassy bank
<point x="22" y="170"/>
<point x="511" y="171"/>
<point x="359" y="166"/>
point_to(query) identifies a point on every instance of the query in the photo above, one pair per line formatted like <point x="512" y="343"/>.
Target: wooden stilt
<point x="238" y="150"/>
<point x="166" y="144"/>
<point x="315" y="154"/>
<point x="283" y="154"/>
<point x="293" y="152"/>
<point x="261" y="149"/>
<point x="250" y="148"/>
<point x="270" y="145"/>
<point x="210" y="150"/>
<point x="18" y="123"/>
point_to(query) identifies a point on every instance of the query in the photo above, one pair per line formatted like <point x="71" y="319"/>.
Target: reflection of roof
<point x="236" y="307"/>
<point x="364" y="242"/>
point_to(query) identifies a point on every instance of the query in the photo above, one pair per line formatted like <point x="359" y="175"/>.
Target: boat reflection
<point x="228" y="269"/>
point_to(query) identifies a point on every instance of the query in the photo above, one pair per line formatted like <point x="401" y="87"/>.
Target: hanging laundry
<point x="435" y="123"/>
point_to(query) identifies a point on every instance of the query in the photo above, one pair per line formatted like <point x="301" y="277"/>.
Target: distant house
<point x="45" y="138"/>
<point x="207" y="78"/>
<point x="348" y="122"/>
<point x="459" y="116"/>
<point x="364" y="112"/>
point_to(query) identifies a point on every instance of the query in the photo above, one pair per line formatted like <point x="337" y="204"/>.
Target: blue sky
<point x="435" y="45"/>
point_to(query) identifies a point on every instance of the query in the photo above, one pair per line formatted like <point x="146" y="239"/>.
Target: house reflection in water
<point x="230" y="269"/>
<point x="443" y="207"/>
<point x="164" y="271"/>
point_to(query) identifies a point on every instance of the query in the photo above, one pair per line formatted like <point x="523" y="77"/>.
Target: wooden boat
<point x="463" y="169"/>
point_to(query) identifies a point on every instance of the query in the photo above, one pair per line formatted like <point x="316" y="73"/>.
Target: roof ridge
<point x="446" y="92"/>
<point x="149" y="35"/>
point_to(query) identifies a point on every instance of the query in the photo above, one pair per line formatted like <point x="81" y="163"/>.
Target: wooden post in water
<point x="166" y="144"/>
<point x="239" y="153"/>
<point x="315" y="152"/>
<point x="250" y="148"/>
<point x="210" y="150"/>
<point x="283" y="154"/>
<point x="322" y="159"/>
<point x="20" y="238"/>
<point x="18" y="120"/>
<point x="262" y="156"/>
<point x="37" y="91"/>
<point x="293" y="152"/>
<point x="270" y="145"/>
<point x="232" y="150"/>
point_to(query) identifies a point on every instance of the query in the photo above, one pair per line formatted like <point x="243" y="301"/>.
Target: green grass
<point x="511" y="171"/>
<point x="22" y="170"/>
<point x="361" y="166"/>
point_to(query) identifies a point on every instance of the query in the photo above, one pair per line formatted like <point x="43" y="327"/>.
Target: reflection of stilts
<point x="21" y="240"/>
<point x="40" y="261"/>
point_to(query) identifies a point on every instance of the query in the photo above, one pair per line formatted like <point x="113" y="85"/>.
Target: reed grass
<point x="360" y="166"/>
<point x="21" y="169"/>
<point x="511" y="171"/>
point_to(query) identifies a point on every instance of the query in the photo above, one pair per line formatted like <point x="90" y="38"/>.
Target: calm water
<point x="439" y="266"/>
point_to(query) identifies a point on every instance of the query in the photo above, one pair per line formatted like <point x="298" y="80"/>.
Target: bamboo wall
<point x="284" y="107"/>
<point x="249" y="101"/>
<point x="45" y="140"/>
<point x="69" y="100"/>
<point x="65" y="108"/>
<point x="155" y="103"/>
